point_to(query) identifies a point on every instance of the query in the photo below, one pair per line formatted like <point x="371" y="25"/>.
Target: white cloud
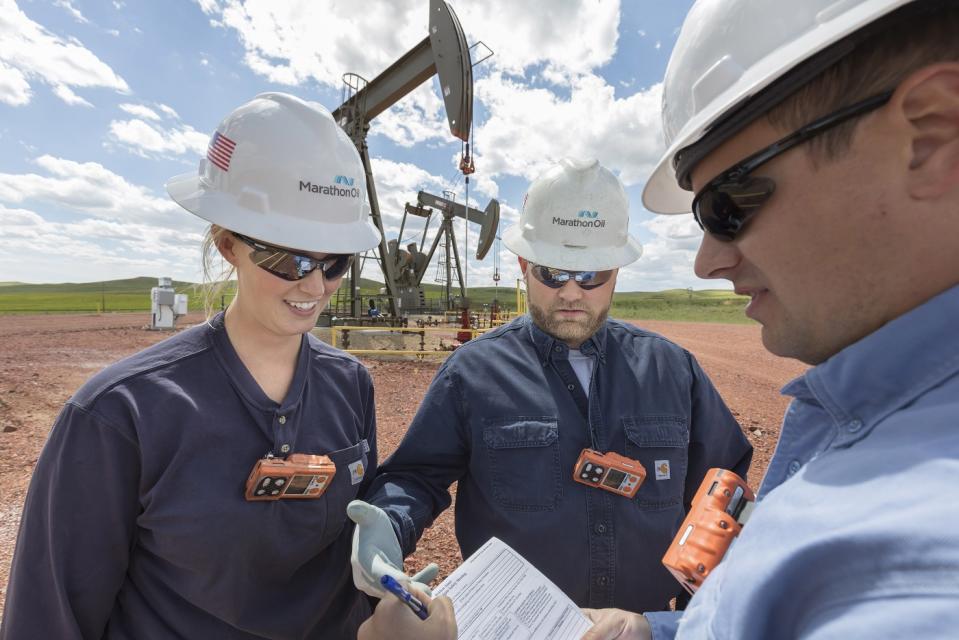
<point x="148" y="140"/>
<point x="418" y="118"/>
<point x="168" y="110"/>
<point x="569" y="38"/>
<point x="140" y="111"/>
<point x="98" y="249"/>
<point x="667" y="260"/>
<point x="396" y="184"/>
<point x="529" y="126"/>
<point x="90" y="188"/>
<point x="64" y="92"/>
<point x="37" y="54"/>
<point x="529" y="129"/>
<point x="209" y="6"/>
<point x="15" y="219"/>
<point x="73" y="11"/>
<point x="14" y="88"/>
<point x="290" y="43"/>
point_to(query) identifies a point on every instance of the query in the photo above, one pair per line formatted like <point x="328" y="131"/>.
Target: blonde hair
<point x="216" y="271"/>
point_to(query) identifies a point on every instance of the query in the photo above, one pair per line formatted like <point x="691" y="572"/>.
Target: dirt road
<point x="44" y="359"/>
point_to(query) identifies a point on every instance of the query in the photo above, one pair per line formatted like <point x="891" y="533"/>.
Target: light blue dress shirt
<point x="856" y="534"/>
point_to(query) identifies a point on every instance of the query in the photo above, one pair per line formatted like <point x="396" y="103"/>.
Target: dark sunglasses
<point x="728" y="201"/>
<point x="293" y="266"/>
<point x="556" y="278"/>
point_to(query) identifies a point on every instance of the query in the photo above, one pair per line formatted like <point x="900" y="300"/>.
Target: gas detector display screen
<point x="614" y="478"/>
<point x="298" y="485"/>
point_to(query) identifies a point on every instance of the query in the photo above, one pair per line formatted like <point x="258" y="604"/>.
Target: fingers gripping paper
<point x="498" y="595"/>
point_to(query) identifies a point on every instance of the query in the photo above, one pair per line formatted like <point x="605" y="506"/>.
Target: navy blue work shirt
<point x="507" y="418"/>
<point x="136" y="527"/>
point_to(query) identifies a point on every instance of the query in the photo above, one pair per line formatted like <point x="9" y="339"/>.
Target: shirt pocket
<point x="351" y="469"/>
<point x="523" y="456"/>
<point x="661" y="444"/>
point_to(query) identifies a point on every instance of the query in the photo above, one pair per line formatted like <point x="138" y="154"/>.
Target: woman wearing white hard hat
<point x="198" y="489"/>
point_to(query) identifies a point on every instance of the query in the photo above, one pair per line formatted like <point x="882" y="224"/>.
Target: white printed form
<point x="498" y="595"/>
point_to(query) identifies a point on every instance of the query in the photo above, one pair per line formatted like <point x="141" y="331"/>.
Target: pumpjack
<point x="409" y="265"/>
<point x="443" y="52"/>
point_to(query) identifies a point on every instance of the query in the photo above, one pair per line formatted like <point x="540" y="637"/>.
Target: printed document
<point x="498" y="595"/>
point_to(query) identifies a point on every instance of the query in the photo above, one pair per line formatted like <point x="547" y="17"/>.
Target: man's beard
<point x="572" y="331"/>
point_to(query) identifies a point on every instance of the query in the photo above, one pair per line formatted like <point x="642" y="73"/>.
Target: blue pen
<point x="394" y="587"/>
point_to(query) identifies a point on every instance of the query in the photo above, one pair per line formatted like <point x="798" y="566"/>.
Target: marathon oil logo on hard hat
<point x="584" y="218"/>
<point x="345" y="191"/>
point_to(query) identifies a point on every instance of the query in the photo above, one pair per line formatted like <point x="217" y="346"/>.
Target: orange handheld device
<point x="299" y="475"/>
<point x="720" y="509"/>
<point x="610" y="471"/>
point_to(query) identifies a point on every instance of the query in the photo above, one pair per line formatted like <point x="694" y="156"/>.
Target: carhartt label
<point x="356" y="472"/>
<point x="662" y="469"/>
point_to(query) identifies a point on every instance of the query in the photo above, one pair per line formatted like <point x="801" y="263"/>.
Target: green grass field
<point x="134" y="295"/>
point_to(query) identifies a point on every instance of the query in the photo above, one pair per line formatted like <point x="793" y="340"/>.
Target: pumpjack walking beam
<point x="488" y="221"/>
<point x="443" y="52"/>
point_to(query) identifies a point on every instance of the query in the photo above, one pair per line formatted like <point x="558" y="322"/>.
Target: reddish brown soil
<point x="44" y="359"/>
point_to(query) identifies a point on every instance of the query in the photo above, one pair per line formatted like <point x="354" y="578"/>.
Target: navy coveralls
<point x="507" y="418"/>
<point x="135" y="525"/>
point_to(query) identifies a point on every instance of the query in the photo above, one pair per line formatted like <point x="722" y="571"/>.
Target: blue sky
<point x="101" y="102"/>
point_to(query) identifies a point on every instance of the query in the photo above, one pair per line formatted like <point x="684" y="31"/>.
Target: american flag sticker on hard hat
<point x="220" y="151"/>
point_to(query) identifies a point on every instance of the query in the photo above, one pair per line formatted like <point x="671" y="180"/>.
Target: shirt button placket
<point x="284" y="448"/>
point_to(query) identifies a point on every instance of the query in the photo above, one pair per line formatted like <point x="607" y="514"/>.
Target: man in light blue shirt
<point x="823" y="152"/>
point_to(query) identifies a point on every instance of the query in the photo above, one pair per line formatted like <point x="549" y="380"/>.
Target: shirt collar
<point x="871" y="378"/>
<point x="243" y="381"/>
<point x="547" y="346"/>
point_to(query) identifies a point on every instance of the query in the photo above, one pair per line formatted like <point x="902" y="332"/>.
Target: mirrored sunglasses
<point x="292" y="266"/>
<point x="556" y="278"/>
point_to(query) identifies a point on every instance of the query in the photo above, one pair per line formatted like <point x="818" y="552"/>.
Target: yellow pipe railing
<point x="421" y="331"/>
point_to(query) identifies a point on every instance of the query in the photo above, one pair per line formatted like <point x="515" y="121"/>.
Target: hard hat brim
<point x="662" y="193"/>
<point x="190" y="192"/>
<point x="572" y="258"/>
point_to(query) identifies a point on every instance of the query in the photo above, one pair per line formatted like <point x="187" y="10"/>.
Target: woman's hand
<point x="393" y="620"/>
<point x="616" y="624"/>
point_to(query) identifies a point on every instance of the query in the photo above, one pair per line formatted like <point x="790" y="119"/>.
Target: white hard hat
<point x="279" y="169"/>
<point x="576" y="217"/>
<point x="727" y="54"/>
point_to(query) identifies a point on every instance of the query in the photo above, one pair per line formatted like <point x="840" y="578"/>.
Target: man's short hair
<point x="917" y="35"/>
